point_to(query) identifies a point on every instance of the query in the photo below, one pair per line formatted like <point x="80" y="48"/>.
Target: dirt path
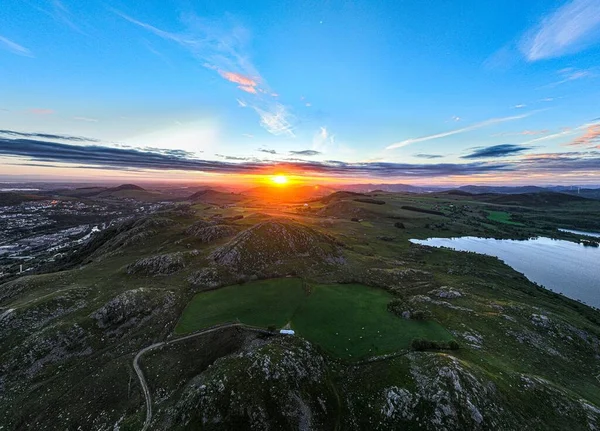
<point x="140" y="373"/>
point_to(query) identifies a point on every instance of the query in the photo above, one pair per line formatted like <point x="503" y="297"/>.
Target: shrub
<point x="453" y="345"/>
<point x="399" y="225"/>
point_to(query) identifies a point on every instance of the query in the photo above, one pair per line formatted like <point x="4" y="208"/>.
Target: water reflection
<point x="562" y="266"/>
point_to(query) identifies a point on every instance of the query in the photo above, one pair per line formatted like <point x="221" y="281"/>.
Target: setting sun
<point x="279" y="179"/>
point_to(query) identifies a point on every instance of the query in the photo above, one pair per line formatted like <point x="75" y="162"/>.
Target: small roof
<point x="287" y="331"/>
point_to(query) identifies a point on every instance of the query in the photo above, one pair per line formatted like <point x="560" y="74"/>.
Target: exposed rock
<point x="163" y="264"/>
<point x="211" y="233"/>
<point x="264" y="388"/>
<point x="130" y="307"/>
<point x="274" y="242"/>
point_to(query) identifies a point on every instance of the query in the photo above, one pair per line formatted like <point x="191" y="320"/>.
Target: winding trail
<point x="140" y="373"/>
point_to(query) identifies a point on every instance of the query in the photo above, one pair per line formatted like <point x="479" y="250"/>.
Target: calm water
<point x="580" y="232"/>
<point x="561" y="266"/>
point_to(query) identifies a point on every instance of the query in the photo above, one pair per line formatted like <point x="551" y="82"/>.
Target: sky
<point x="438" y="92"/>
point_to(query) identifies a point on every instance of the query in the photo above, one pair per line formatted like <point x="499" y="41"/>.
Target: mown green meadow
<point x="349" y="321"/>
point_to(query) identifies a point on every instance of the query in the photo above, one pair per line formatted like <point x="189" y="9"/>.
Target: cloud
<point x="305" y="153"/>
<point x="41" y="111"/>
<point x="523" y="133"/>
<point x="571" y="28"/>
<point x="276" y="120"/>
<point x="456" y="118"/>
<point x="520" y="105"/>
<point x="11" y="133"/>
<point x="570" y="74"/>
<point x="86" y="119"/>
<point x="428" y="156"/>
<point x="232" y="157"/>
<point x="39" y="151"/>
<point x="264" y="150"/>
<point x="475" y="126"/>
<point x="590" y="137"/>
<point x="247" y="89"/>
<point x="61" y="13"/>
<point x="14" y="47"/>
<point x="496" y="151"/>
<point x="238" y="78"/>
<point x="323" y="141"/>
<point x="222" y="46"/>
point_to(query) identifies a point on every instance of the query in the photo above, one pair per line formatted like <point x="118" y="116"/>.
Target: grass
<point x="261" y="303"/>
<point x="502" y="217"/>
<point x="349" y="321"/>
<point x="352" y="321"/>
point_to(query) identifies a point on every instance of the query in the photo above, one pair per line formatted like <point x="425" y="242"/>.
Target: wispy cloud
<point x="86" y="119"/>
<point x="475" y="126"/>
<point x="13" y="133"/>
<point x="14" y="47"/>
<point x="41" y="111"/>
<point x="567" y="30"/>
<point x="570" y="74"/>
<point x="275" y="120"/>
<point x="523" y="133"/>
<point x="496" y="151"/>
<point x="305" y="153"/>
<point x="222" y="46"/>
<point x="520" y="105"/>
<point x="265" y="150"/>
<point x="589" y="138"/>
<point x="323" y="140"/>
<point x="61" y="13"/>
<point x="238" y="78"/>
<point x="428" y="156"/>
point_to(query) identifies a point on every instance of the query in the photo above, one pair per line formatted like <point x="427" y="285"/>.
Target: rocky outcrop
<point x="211" y="232"/>
<point x="273" y="386"/>
<point x="163" y="264"/>
<point x="131" y="308"/>
<point x="275" y="242"/>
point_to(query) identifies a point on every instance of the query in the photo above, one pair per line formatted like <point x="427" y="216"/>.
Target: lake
<point x="562" y="266"/>
<point x="580" y="232"/>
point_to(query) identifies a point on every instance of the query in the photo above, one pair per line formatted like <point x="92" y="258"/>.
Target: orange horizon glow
<point x="280" y="180"/>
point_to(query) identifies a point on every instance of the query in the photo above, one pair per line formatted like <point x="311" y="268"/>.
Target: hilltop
<point x="214" y="197"/>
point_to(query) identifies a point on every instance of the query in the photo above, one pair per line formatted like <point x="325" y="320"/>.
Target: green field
<point x="350" y="321"/>
<point x="502" y="217"/>
<point x="261" y="303"/>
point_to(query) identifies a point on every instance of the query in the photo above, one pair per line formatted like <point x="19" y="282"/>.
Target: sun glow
<point x="279" y="179"/>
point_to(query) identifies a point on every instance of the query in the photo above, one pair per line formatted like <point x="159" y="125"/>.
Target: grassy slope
<point x="261" y="303"/>
<point x="349" y="321"/>
<point x="502" y="217"/>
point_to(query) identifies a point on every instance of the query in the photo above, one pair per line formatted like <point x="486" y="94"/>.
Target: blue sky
<point x="405" y="91"/>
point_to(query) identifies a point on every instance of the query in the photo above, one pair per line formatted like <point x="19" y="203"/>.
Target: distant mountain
<point x="501" y="189"/>
<point x="544" y="198"/>
<point x="12" y="198"/>
<point x="396" y="188"/>
<point x="289" y="193"/>
<point x="215" y="197"/>
<point x="126" y="187"/>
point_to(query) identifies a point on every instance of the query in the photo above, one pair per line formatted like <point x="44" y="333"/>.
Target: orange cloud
<point x="238" y="78"/>
<point x="591" y="136"/>
<point x="247" y="88"/>
<point x="41" y="111"/>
